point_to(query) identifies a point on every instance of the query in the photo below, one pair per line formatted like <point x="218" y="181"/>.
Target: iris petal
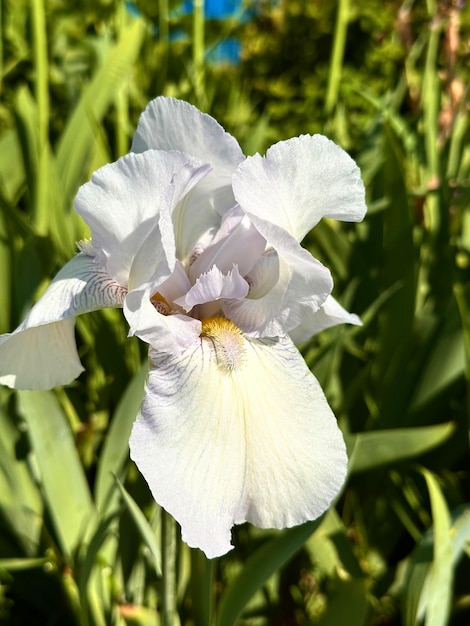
<point x="212" y="286"/>
<point x="237" y="434"/>
<point x="167" y="333"/>
<point x="41" y="353"/>
<point x="331" y="313"/>
<point x="303" y="285"/>
<point x="169" y="124"/>
<point x="124" y="201"/>
<point x="236" y="243"/>
<point x="300" y="181"/>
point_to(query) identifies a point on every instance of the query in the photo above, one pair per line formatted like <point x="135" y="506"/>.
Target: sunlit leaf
<point x="61" y="472"/>
<point x="78" y="138"/>
<point x="373" y="449"/>
<point x="116" y="447"/>
<point x="145" y="530"/>
<point x="259" y="567"/>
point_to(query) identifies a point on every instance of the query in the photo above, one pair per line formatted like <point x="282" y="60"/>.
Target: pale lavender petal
<point x="169" y="124"/>
<point x="177" y="285"/>
<point x="302" y="287"/>
<point x="213" y="286"/>
<point x="237" y="243"/>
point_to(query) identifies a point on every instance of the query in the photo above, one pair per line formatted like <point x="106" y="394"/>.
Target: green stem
<point x="199" y="49"/>
<point x="336" y="64"/>
<point x="169" y="613"/>
<point x="430" y="104"/>
<point x="41" y="66"/>
<point x="164" y="39"/>
<point x="41" y="202"/>
<point x="202" y="588"/>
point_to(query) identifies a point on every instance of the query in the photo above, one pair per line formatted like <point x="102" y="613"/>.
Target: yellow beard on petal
<point x="227" y="341"/>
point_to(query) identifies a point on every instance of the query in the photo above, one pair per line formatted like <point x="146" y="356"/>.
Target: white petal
<point x="303" y="285"/>
<point x="264" y="275"/>
<point x="166" y="333"/>
<point x="125" y="200"/>
<point x="331" y="313"/>
<point x="300" y="181"/>
<point x="177" y="285"/>
<point x="237" y="243"/>
<point x="197" y="217"/>
<point x="236" y="430"/>
<point x="212" y="286"/>
<point x="169" y="124"/>
<point x="41" y="353"/>
<point x="40" y="357"/>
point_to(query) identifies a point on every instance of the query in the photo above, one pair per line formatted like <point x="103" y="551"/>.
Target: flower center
<point x="227" y="341"/>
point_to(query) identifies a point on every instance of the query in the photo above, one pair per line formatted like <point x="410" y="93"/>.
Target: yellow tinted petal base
<point x="227" y="340"/>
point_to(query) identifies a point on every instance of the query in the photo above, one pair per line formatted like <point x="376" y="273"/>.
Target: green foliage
<point x="79" y="532"/>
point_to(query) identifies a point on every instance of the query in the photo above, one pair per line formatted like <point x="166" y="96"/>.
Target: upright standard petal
<point x="124" y="200"/>
<point x="41" y="353"/>
<point x="298" y="182"/>
<point x="169" y="124"/>
<point x="236" y="430"/>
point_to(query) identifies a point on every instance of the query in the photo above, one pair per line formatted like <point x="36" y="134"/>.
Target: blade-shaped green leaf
<point x="372" y="449"/>
<point x="146" y="531"/>
<point x="115" y="451"/>
<point x="75" y="144"/>
<point x="20" y="499"/>
<point x="427" y="588"/>
<point x="62" y="476"/>
<point x="439" y="590"/>
<point x="259" y="567"/>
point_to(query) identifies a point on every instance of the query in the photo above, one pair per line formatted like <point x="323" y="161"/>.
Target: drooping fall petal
<point x="41" y="353"/>
<point x="236" y="430"/>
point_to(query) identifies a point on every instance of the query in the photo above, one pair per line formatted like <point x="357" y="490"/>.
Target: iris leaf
<point x="61" y="472"/>
<point x="259" y="567"/>
<point x="373" y="449"/>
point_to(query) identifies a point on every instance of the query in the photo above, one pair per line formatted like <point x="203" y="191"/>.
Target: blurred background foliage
<point x="80" y="538"/>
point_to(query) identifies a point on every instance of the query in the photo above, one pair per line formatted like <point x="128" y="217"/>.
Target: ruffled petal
<point x="303" y="286"/>
<point x="124" y="202"/>
<point x="169" y="124"/>
<point x="177" y="285"/>
<point x="41" y="353"/>
<point x="212" y="286"/>
<point x="235" y="430"/>
<point x="167" y="333"/>
<point x="236" y="243"/>
<point x="331" y="313"/>
<point x="300" y="181"/>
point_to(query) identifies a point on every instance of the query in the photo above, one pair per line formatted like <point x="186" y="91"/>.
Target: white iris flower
<point x="200" y="246"/>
